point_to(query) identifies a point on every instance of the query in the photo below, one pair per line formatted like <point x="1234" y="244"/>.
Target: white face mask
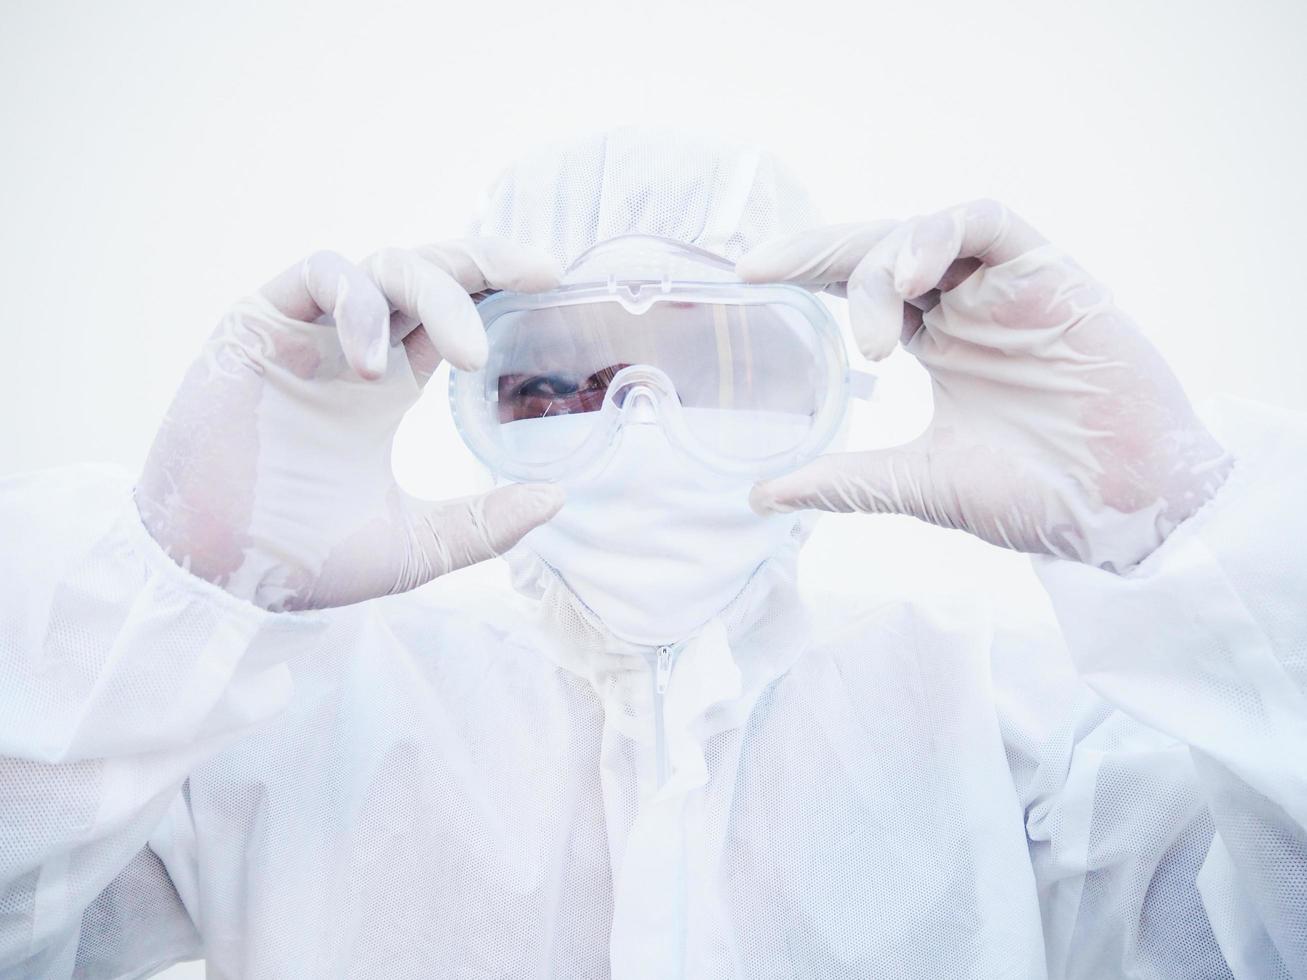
<point x="654" y="546"/>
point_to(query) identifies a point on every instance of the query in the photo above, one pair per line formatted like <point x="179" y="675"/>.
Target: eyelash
<point x="595" y="382"/>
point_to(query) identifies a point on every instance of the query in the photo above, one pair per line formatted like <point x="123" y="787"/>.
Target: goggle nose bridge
<point x="636" y="391"/>
<point x="639" y="406"/>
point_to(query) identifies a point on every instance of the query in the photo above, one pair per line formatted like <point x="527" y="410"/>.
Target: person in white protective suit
<point x="231" y="730"/>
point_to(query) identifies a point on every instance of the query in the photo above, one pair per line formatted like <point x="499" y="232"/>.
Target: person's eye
<point x="546" y="386"/>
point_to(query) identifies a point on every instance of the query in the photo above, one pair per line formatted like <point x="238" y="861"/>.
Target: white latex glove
<point x="271" y="474"/>
<point x="1058" y="428"/>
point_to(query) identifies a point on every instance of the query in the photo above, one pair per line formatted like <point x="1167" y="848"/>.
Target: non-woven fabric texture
<point x="471" y="783"/>
<point x="720" y="196"/>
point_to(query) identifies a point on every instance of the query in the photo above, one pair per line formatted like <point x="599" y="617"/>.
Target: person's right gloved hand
<point x="271" y="473"/>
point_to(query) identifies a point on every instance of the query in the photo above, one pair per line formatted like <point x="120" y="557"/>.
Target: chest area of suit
<point x="511" y="838"/>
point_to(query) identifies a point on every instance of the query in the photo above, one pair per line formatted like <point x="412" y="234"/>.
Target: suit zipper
<point x="664" y="660"/>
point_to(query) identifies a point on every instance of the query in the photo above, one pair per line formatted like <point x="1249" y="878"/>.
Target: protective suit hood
<point x="717" y="196"/>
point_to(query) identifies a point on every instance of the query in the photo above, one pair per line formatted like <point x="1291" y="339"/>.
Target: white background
<point x="160" y="159"/>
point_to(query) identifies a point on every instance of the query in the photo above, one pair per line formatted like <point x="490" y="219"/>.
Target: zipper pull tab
<point x="664" y="670"/>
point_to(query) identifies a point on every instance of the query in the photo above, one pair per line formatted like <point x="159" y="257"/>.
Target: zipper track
<point x="663" y="661"/>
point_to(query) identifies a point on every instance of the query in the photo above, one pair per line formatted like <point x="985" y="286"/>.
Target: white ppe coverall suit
<point x="456" y="784"/>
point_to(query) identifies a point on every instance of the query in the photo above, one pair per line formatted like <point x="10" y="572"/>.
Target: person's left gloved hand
<point x="1058" y="428"/>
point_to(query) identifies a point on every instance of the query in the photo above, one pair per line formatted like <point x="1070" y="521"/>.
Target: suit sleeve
<point x="119" y="673"/>
<point x="1199" y="657"/>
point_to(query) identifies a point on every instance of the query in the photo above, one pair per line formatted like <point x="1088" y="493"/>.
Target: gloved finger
<point x="887" y="481"/>
<point x="478" y="264"/>
<point x="983" y="230"/>
<point x="327" y="282"/>
<point x="425" y="293"/>
<point x="423" y="358"/>
<point x="875" y="303"/>
<point x="954" y="276"/>
<point x="931" y="245"/>
<point x="816" y="257"/>
<point x="457" y="533"/>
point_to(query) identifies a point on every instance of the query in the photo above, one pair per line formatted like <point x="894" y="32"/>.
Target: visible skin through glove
<point x="271" y="475"/>
<point x="1058" y="428"/>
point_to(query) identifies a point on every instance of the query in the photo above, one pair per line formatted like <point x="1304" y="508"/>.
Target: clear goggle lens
<point x="748" y="380"/>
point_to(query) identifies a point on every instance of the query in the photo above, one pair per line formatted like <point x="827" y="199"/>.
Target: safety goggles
<point x="747" y="380"/>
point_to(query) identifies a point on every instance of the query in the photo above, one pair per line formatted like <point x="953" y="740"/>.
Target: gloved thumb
<point x="886" y="481"/>
<point x="453" y="534"/>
